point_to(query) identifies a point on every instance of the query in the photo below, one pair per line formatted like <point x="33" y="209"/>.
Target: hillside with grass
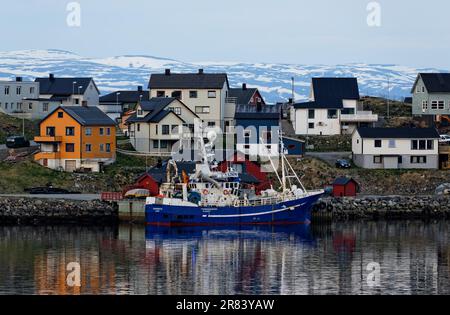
<point x="11" y="126"/>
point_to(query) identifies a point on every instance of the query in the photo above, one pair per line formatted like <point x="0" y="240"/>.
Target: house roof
<point x="251" y="112"/>
<point x="343" y="181"/>
<point x="156" y="108"/>
<point x="188" y="81"/>
<point x="243" y="96"/>
<point x="330" y="92"/>
<point x="125" y="97"/>
<point x="86" y="115"/>
<point x="436" y="82"/>
<point x="63" y="86"/>
<point x="398" y="133"/>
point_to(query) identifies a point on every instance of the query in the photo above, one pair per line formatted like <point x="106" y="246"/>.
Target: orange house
<point x="76" y="138"/>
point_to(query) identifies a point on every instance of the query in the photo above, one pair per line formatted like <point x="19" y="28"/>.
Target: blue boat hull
<point x="290" y="212"/>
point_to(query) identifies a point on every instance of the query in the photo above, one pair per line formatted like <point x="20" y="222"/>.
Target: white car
<point x="444" y="139"/>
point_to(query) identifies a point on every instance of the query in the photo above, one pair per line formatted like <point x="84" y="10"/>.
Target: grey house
<point x="396" y="148"/>
<point x="431" y="94"/>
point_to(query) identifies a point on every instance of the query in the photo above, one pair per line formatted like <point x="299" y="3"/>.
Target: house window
<point x="163" y="144"/>
<point x="60" y="114"/>
<point x="400" y="160"/>
<point x="50" y="131"/>
<point x="311" y="113"/>
<point x="70" y="147"/>
<point x="102" y="131"/>
<point x="437" y="104"/>
<point x="378" y="143"/>
<point x="423" y="89"/>
<point x="30" y="106"/>
<point x="88" y="131"/>
<point x="138" y="127"/>
<point x="102" y="147"/>
<point x="211" y="94"/>
<point x="424" y="105"/>
<point x="430" y="144"/>
<point x="155" y="144"/>
<point x="139" y="112"/>
<point x="18" y="90"/>
<point x="311" y="125"/>
<point x="108" y="147"/>
<point x="202" y="110"/>
<point x="32" y="90"/>
<point x="177" y="94"/>
<point x="422" y="145"/>
<point x="70" y="131"/>
<point x="414" y="144"/>
<point x="165" y="129"/>
<point x="418" y="89"/>
<point x="332" y="114"/>
<point x="392" y="144"/>
<point x="441" y="104"/>
<point x="160" y="94"/>
<point x="377" y="159"/>
<point x="108" y="131"/>
<point x="88" y="147"/>
<point x="193" y="94"/>
<point x="77" y="101"/>
<point x="211" y="123"/>
<point x="6" y="90"/>
<point x="176" y="110"/>
<point x="45" y="107"/>
<point x="418" y="159"/>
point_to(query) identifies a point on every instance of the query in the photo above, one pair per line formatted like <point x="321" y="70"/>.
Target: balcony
<point x="44" y="139"/>
<point x="360" y="116"/>
<point x="47" y="155"/>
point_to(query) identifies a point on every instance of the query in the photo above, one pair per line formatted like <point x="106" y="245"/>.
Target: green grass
<point x="10" y="126"/>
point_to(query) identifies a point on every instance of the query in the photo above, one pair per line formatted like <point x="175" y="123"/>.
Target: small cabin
<point x="345" y="187"/>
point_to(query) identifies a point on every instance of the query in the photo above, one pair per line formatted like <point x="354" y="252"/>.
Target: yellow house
<point x="76" y="138"/>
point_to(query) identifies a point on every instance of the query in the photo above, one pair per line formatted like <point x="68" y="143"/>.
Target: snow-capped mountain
<point x="273" y="80"/>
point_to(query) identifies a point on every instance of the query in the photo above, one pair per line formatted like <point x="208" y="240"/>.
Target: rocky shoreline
<point x="383" y="207"/>
<point x="55" y="211"/>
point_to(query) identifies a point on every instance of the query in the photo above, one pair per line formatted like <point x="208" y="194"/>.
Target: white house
<point x="159" y="123"/>
<point x="334" y="108"/>
<point x="205" y="94"/>
<point x="13" y="95"/>
<point x="396" y="148"/>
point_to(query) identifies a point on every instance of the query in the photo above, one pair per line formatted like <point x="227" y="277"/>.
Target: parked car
<point x="445" y="139"/>
<point x="343" y="164"/>
<point x="15" y="142"/>
<point x="49" y="190"/>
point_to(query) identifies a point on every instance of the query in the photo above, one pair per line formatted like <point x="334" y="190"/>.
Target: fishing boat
<point x="210" y="197"/>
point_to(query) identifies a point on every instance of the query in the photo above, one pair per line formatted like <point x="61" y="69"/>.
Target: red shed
<point x="345" y="187"/>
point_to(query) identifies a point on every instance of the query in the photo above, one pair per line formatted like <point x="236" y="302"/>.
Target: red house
<point x="247" y="168"/>
<point x="345" y="187"/>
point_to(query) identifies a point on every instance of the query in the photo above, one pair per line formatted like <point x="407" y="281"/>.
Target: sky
<point x="412" y="33"/>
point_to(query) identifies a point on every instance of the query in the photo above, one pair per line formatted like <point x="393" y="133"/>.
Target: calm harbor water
<point x="414" y="258"/>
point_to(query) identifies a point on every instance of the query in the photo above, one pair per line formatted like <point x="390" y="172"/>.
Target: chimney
<point x="200" y="71"/>
<point x="244" y="86"/>
<point x="18" y="79"/>
<point x="140" y="88"/>
<point x="259" y="106"/>
<point x="291" y="101"/>
<point x="167" y="71"/>
<point x="51" y="76"/>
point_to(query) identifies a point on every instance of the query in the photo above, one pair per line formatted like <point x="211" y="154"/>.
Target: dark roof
<point x="125" y="97"/>
<point x="62" y="86"/>
<point x="242" y="96"/>
<point x="408" y="100"/>
<point x="329" y="92"/>
<point x="188" y="81"/>
<point x="436" y="82"/>
<point x="399" y="133"/>
<point x="343" y="181"/>
<point x="86" y="115"/>
<point x="251" y="112"/>
<point x="156" y="108"/>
